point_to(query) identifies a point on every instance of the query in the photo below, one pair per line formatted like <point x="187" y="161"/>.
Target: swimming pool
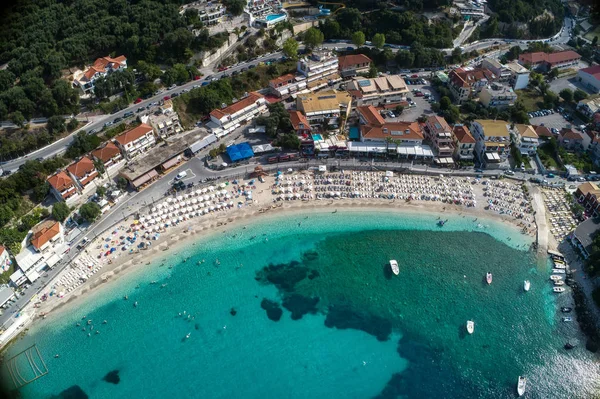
<point x="273" y="17"/>
<point x="317" y="137"/>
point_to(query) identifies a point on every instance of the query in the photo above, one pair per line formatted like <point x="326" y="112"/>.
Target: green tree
<point x="445" y="103"/>
<point x="373" y="72"/>
<point x="82" y="144"/>
<point x="550" y="99"/>
<point x="290" y="48"/>
<point x="100" y="191"/>
<point x="56" y="124"/>
<point x="122" y="182"/>
<point x="90" y="211"/>
<point x="235" y="7"/>
<point x="72" y="125"/>
<point x="378" y="40"/>
<point x="567" y="95"/>
<point x="313" y="37"/>
<point x="398" y="110"/>
<point x="553" y="74"/>
<point x="148" y="70"/>
<point x="17" y="118"/>
<point x="579" y="94"/>
<point x="60" y="211"/>
<point x="358" y="38"/>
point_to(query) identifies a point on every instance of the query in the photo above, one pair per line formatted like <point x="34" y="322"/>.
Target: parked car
<point x="107" y="124"/>
<point x="174" y="95"/>
<point x="181" y="175"/>
<point x="117" y="120"/>
<point x="172" y="86"/>
<point x="141" y="109"/>
<point x="137" y="100"/>
<point x="166" y="98"/>
<point x="128" y="114"/>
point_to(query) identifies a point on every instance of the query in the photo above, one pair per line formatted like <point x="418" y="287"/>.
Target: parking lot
<point x="570" y="82"/>
<point x="554" y="121"/>
<point x="421" y="105"/>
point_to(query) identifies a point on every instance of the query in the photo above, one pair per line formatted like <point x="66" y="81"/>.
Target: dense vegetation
<point x="522" y="19"/>
<point x="404" y="28"/>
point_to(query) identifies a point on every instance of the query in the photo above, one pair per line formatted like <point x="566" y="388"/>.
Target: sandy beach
<point x="265" y="200"/>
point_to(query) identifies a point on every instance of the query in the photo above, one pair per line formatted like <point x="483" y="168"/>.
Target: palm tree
<point x="388" y="141"/>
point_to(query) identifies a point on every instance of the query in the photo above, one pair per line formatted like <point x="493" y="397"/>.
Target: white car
<point x="181" y="175"/>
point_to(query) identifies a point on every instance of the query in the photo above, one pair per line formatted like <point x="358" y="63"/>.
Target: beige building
<point x="383" y="90"/>
<point x="498" y="96"/>
<point x="526" y="139"/>
<point x="439" y="134"/>
<point x="464" y="143"/>
<point x="136" y="141"/>
<point x="331" y="107"/>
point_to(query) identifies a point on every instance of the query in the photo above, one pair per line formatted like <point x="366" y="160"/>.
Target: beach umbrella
<point x="211" y="188"/>
<point x="212" y="208"/>
<point x="153" y="209"/>
<point x="206" y="197"/>
<point x="204" y="211"/>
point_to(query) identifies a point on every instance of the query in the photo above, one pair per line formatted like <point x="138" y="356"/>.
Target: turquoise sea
<point x="346" y="328"/>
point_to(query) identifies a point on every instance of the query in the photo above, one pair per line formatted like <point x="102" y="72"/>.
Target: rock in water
<point x="74" y="392"/>
<point x="273" y="309"/>
<point x="233" y="312"/>
<point x="300" y="305"/>
<point x="112" y="377"/>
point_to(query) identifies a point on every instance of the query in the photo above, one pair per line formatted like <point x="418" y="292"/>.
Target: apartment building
<point x="136" y="141"/>
<point x="439" y="134"/>
<point x="464" y="143"/>
<point x="85" y="80"/>
<point x="498" y="96"/>
<point x="63" y="187"/>
<point x="465" y="83"/>
<point x="383" y="90"/>
<point x="353" y="64"/>
<point x="84" y="172"/>
<point x="519" y="75"/>
<point x="287" y="84"/>
<point x="225" y="120"/>
<point x="526" y="139"/>
<point x="492" y="141"/>
<point x="109" y="154"/>
<point x="318" y="66"/>
<point x="329" y="107"/>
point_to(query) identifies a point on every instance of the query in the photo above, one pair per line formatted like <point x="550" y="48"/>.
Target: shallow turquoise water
<point x="247" y="355"/>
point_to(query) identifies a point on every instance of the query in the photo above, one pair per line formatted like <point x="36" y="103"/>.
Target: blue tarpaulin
<point x="239" y="152"/>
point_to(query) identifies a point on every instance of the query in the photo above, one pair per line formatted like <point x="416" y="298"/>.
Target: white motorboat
<point x="559" y="266"/>
<point x="558" y="289"/>
<point x="394" y="266"/>
<point x="488" y="278"/>
<point x="526" y="285"/>
<point x="470" y="326"/>
<point x="521" y="385"/>
<point x="555" y="277"/>
<point x="567" y="319"/>
<point x="559" y="282"/>
<point x="559" y="271"/>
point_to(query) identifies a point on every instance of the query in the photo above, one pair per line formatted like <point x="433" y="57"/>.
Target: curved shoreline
<point x="172" y="241"/>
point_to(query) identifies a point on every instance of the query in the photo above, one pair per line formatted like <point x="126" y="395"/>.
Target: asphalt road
<point x="97" y="124"/>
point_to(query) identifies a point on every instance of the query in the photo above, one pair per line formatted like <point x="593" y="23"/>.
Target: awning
<point x="171" y="162"/>
<point x="32" y="275"/>
<point x="53" y="260"/>
<point x="144" y="179"/>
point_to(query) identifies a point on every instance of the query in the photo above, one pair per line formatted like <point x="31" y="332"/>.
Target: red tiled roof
<point x="60" y="181"/>
<point x="45" y="233"/>
<point x="297" y="118"/>
<point x="348" y="61"/>
<point x="133" y="134"/>
<point x="551" y="58"/>
<point x="463" y="134"/>
<point x="593" y="70"/>
<point x="107" y="152"/>
<point x="370" y="114"/>
<point x="410" y="131"/>
<point x="82" y="167"/>
<point x="2" y="249"/>
<point x="543" y="131"/>
<point x="439" y="124"/>
<point x="467" y="77"/>
<point x="570" y="134"/>
<point x="236" y="107"/>
<point x="282" y="80"/>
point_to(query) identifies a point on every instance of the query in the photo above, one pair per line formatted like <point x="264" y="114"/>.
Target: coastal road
<point x="98" y="122"/>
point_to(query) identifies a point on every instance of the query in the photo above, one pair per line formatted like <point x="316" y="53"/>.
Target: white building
<point x="84" y="172"/>
<point x="225" y="120"/>
<point x="519" y="75"/>
<point x="590" y="77"/>
<point x="492" y="140"/>
<point x="464" y="143"/>
<point x="110" y="155"/>
<point x="63" y="187"/>
<point x="287" y="84"/>
<point x="43" y="247"/>
<point x="589" y="106"/>
<point x="377" y="91"/>
<point x="136" y="141"/>
<point x="5" y="261"/>
<point x="100" y="68"/>
<point x="526" y="139"/>
<point x="318" y="66"/>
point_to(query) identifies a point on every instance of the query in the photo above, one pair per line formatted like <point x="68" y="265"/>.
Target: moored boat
<point x="526" y="285"/>
<point x="559" y="266"/>
<point x="566" y="319"/>
<point x="558" y="289"/>
<point x="470" y="326"/>
<point x="521" y="385"/>
<point x="569" y="345"/>
<point x="559" y="271"/>
<point x="394" y="266"/>
<point x="555" y="277"/>
<point x="559" y="282"/>
<point x="565" y="309"/>
<point x="488" y="278"/>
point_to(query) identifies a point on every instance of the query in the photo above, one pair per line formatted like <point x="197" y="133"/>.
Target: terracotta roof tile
<point x="133" y="134"/>
<point x="348" y="61"/>
<point x="410" y="131"/>
<point x="44" y="233"/>
<point x="236" y="107"/>
<point x="593" y="70"/>
<point x="570" y="134"/>
<point x="81" y="167"/>
<point x="60" y="181"/>
<point x="107" y="152"/>
<point x="543" y="131"/>
<point x="463" y="134"/>
<point x="438" y="124"/>
<point x="282" y="80"/>
<point x="370" y="114"/>
<point x="297" y="118"/>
